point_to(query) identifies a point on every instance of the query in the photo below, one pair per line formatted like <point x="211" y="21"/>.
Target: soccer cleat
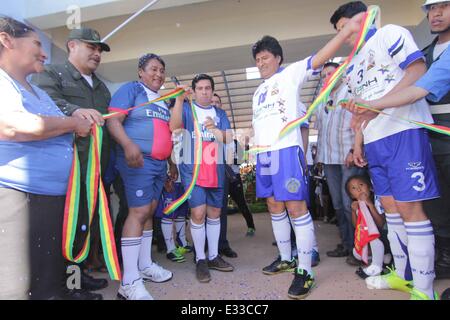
<point x="186" y="249"/>
<point x="416" y="294"/>
<point x="156" y="273"/>
<point x="279" y="266"/>
<point x="301" y="285"/>
<point x="176" y="256"/>
<point x="134" y="291"/>
<point x="390" y="280"/>
<point x="250" y="232"/>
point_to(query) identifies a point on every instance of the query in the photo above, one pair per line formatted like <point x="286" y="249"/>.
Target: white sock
<point x="180" y="225"/>
<point x="130" y="256"/>
<point x="377" y="248"/>
<point x="398" y="241"/>
<point x="145" y="254"/>
<point x="304" y="235"/>
<point x="421" y="253"/>
<point x="167" y="230"/>
<point x="282" y="232"/>
<point x="212" y="234"/>
<point x="372" y="270"/>
<point x="198" y="237"/>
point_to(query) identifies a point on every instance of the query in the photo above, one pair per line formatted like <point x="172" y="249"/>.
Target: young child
<point x="172" y="191"/>
<point x="360" y="190"/>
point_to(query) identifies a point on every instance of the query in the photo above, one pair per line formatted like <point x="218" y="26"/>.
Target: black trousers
<point x="32" y="265"/>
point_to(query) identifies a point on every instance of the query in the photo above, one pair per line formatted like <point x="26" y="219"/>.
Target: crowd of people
<point x="388" y="179"/>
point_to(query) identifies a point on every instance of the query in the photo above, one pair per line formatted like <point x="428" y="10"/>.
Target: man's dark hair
<point x="202" y="76"/>
<point x="268" y="43"/>
<point x="145" y="59"/>
<point x="216" y="95"/>
<point x="331" y="64"/>
<point x="13" y="28"/>
<point x="348" y="10"/>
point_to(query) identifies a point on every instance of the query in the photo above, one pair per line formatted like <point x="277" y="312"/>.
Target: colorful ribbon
<point x="369" y="19"/>
<point x="428" y="126"/>
<point x="116" y="111"/>
<point x="94" y="191"/>
<point x="197" y="160"/>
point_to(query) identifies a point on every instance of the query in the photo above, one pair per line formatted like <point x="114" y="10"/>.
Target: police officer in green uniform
<point x="79" y="92"/>
<point x="438" y="14"/>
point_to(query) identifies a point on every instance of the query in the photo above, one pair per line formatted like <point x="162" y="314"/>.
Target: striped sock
<point x="167" y="230"/>
<point x="212" y="234"/>
<point x="421" y="253"/>
<point x="304" y="235"/>
<point x="282" y="233"/>
<point x="198" y="237"/>
<point x="398" y="242"/>
<point x="180" y="225"/>
<point x="130" y="256"/>
<point x="145" y="254"/>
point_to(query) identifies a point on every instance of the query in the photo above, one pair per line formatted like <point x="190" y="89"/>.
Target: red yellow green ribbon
<point x="116" y="111"/>
<point x="369" y="19"/>
<point x="94" y="191"/>
<point x="197" y="160"/>
<point x="428" y="126"/>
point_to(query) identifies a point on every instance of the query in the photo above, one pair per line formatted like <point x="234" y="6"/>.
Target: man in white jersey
<point x="399" y="153"/>
<point x="281" y="169"/>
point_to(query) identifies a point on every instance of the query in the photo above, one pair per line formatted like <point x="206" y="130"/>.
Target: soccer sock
<point x="212" y="234"/>
<point x="421" y="253"/>
<point x="145" y="254"/>
<point x="398" y="242"/>
<point x="198" y="237"/>
<point x="282" y="232"/>
<point x="130" y="256"/>
<point x="167" y="230"/>
<point x="375" y="268"/>
<point x="180" y="226"/>
<point x="304" y="235"/>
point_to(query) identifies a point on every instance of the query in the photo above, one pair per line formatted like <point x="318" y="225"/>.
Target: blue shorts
<point x="402" y="166"/>
<point x="281" y="174"/>
<point x="142" y="185"/>
<point x="164" y="201"/>
<point x="212" y="197"/>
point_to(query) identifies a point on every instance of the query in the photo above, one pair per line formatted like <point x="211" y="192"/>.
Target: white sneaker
<point x="134" y="291"/>
<point x="156" y="273"/>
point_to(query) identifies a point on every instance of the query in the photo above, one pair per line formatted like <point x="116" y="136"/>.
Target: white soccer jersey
<point x="276" y="103"/>
<point x="376" y="70"/>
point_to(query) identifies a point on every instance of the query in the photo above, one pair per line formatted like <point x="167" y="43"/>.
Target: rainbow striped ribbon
<point x="432" y="127"/>
<point x="94" y="191"/>
<point x="369" y="19"/>
<point x="197" y="160"/>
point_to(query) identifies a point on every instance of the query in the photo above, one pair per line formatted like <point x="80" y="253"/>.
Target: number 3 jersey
<point x="376" y="70"/>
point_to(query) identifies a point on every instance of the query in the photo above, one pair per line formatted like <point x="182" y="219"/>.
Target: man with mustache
<point x="77" y="91"/>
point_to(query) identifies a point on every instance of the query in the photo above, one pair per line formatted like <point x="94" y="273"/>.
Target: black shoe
<point x="202" y="271"/>
<point x="91" y="284"/>
<point x="352" y="261"/>
<point x="446" y="294"/>
<point x="338" y="252"/>
<point x="279" y="266"/>
<point x="228" y="252"/>
<point x="301" y="285"/>
<point x="360" y="272"/>
<point x="219" y="264"/>
<point x="81" y="294"/>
